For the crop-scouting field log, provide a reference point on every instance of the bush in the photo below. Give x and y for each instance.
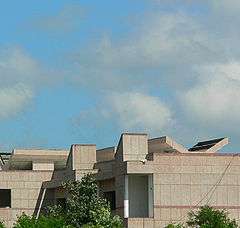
(174, 226)
(85, 207)
(26, 221)
(207, 217)
(2, 224)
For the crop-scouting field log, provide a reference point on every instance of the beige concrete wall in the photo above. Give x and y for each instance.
(183, 183)
(82, 157)
(25, 189)
(42, 166)
(132, 147)
(106, 154)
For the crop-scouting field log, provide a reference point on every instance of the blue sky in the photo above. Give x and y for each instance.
(85, 71)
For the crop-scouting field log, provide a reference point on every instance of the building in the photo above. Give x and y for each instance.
(149, 182)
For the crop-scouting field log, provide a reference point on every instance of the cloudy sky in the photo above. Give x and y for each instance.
(85, 71)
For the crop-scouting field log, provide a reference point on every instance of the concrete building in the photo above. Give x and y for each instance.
(149, 182)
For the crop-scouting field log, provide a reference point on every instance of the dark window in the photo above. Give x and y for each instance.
(61, 202)
(111, 198)
(5, 197)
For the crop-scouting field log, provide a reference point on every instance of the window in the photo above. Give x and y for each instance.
(111, 198)
(5, 197)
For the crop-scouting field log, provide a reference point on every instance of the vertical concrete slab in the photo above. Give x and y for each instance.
(82, 157)
(132, 147)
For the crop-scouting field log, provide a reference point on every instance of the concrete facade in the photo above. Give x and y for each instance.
(149, 182)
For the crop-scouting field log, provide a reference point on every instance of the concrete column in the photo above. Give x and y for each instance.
(126, 200)
(150, 196)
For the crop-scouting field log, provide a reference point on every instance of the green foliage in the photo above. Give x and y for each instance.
(26, 221)
(207, 217)
(174, 226)
(84, 206)
(2, 224)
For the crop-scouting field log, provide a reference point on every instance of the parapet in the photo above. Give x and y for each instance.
(82, 156)
(106, 154)
(37, 159)
(165, 144)
(132, 147)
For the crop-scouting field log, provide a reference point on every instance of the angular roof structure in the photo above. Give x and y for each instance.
(165, 144)
(209, 146)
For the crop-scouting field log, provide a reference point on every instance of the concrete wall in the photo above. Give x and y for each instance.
(25, 192)
(183, 182)
(106, 154)
(42, 166)
(82, 157)
(132, 147)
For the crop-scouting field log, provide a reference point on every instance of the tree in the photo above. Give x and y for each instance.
(207, 217)
(2, 224)
(84, 206)
(174, 226)
(26, 221)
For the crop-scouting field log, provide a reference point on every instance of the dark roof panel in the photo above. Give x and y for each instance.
(205, 145)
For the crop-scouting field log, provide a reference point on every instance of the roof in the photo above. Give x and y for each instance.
(23, 158)
(165, 144)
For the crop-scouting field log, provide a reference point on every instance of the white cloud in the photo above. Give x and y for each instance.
(20, 76)
(16, 66)
(160, 39)
(214, 98)
(179, 49)
(14, 99)
(162, 49)
(226, 5)
(140, 111)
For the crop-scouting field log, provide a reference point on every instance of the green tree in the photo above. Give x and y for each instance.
(2, 224)
(207, 217)
(84, 206)
(174, 226)
(26, 221)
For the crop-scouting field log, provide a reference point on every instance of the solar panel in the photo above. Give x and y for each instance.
(204, 145)
(4, 156)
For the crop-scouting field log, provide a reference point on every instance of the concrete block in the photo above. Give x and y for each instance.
(222, 196)
(42, 166)
(233, 195)
(32, 204)
(16, 203)
(165, 195)
(24, 203)
(82, 157)
(196, 194)
(165, 214)
(132, 147)
(175, 214)
(185, 178)
(148, 223)
(157, 194)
